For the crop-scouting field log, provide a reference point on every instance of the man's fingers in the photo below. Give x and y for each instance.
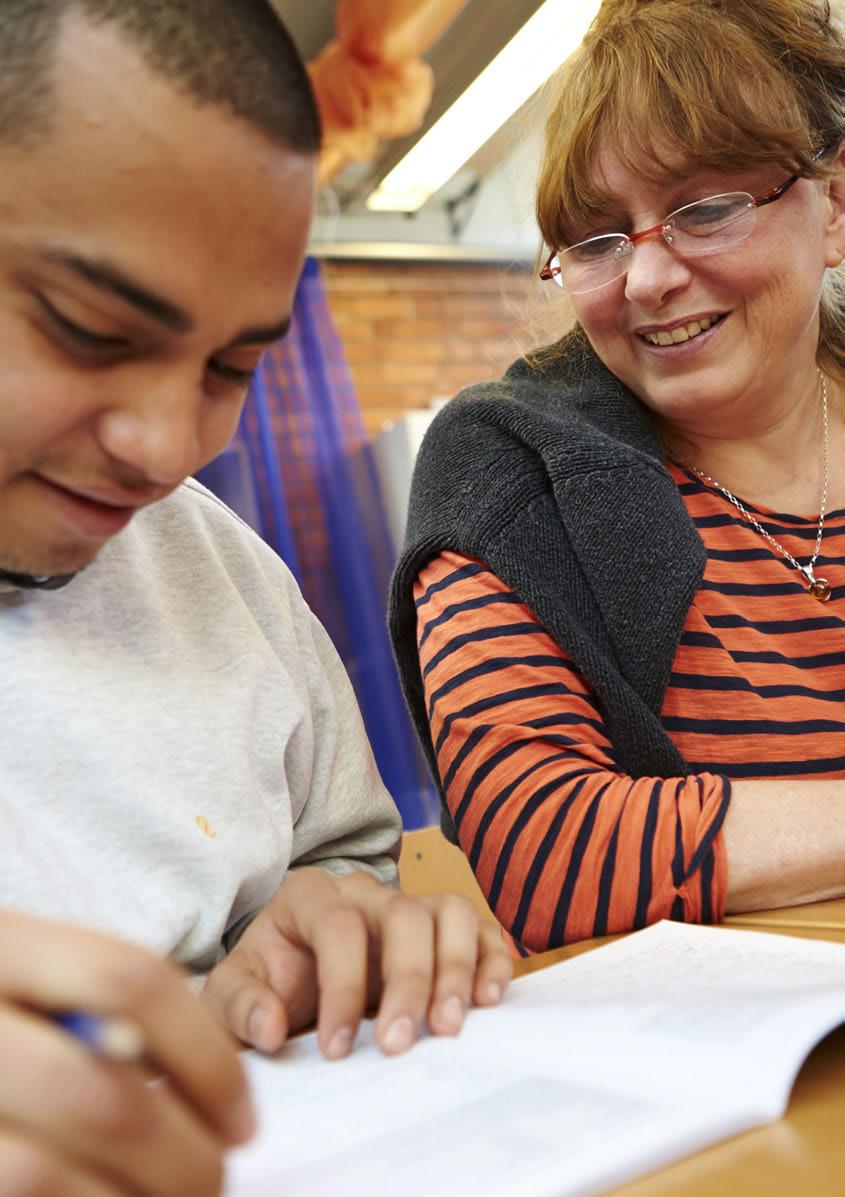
(336, 919)
(456, 957)
(67, 968)
(495, 966)
(193, 1049)
(305, 955)
(246, 1003)
(312, 912)
(407, 970)
(324, 945)
(436, 958)
(29, 1169)
(341, 945)
(100, 1114)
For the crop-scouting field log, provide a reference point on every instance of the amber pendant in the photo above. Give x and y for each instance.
(820, 589)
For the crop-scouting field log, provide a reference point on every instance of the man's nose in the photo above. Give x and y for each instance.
(157, 438)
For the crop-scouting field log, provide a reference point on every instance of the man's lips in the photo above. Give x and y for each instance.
(91, 518)
(104, 496)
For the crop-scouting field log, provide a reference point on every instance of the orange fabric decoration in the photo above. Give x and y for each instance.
(371, 82)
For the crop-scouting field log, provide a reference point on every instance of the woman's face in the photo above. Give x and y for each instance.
(762, 294)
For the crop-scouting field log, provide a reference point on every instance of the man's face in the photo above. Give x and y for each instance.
(149, 251)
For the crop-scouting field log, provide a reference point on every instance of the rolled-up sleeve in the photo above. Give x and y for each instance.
(564, 844)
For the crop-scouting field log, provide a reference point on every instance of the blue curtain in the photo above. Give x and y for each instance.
(301, 472)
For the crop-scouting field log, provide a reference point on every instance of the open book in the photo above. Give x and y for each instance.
(590, 1073)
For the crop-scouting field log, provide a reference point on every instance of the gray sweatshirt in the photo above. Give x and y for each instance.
(177, 732)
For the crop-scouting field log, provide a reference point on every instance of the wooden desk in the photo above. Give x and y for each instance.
(803, 1155)
(827, 916)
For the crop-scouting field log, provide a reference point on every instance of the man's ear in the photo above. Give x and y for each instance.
(835, 232)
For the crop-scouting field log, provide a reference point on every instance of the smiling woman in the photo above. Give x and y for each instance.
(626, 560)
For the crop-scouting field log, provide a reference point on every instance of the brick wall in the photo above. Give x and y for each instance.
(415, 331)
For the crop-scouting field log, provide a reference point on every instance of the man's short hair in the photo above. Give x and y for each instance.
(235, 54)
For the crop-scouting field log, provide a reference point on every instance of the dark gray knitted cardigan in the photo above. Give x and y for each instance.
(554, 478)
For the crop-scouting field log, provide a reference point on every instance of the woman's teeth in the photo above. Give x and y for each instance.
(684, 333)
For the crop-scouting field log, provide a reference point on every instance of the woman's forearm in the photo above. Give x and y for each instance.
(785, 843)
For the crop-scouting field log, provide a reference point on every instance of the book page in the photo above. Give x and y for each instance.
(686, 1008)
(444, 1118)
(590, 1073)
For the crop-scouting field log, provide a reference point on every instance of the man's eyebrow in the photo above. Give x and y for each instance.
(111, 279)
(263, 336)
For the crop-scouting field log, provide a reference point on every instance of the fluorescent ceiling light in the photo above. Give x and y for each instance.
(545, 41)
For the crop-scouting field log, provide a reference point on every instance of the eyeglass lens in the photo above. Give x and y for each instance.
(705, 227)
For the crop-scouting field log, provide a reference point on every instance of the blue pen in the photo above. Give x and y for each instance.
(118, 1039)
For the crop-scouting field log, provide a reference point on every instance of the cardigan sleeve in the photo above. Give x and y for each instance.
(563, 843)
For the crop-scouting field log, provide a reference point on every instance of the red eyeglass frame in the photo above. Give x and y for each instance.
(768, 197)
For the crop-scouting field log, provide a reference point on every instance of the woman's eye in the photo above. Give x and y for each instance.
(82, 337)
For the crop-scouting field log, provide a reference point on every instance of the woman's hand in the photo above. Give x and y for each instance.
(330, 947)
(74, 1124)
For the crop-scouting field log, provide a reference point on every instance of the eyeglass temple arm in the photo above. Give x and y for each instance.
(769, 197)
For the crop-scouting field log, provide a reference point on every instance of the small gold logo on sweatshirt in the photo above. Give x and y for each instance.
(205, 827)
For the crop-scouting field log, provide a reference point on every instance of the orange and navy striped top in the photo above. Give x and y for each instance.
(565, 845)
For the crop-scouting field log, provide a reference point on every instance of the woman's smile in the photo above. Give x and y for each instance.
(681, 341)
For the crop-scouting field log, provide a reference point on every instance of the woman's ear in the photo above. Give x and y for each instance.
(835, 231)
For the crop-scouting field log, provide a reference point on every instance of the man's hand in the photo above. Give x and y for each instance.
(81, 1126)
(330, 947)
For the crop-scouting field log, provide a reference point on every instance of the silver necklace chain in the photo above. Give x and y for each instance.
(818, 587)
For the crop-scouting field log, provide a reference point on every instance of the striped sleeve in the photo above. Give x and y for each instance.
(563, 843)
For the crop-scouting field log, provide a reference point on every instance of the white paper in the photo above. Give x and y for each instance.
(590, 1073)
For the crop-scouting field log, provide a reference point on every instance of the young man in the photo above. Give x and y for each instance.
(177, 732)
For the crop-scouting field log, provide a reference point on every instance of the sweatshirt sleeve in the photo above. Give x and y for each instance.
(563, 843)
(344, 818)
